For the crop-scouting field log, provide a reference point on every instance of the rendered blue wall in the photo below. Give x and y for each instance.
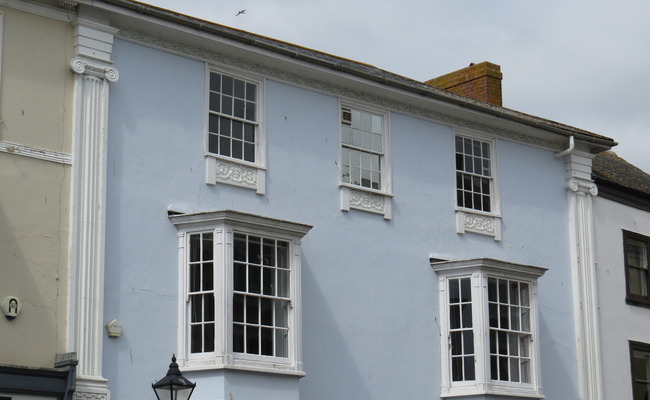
(370, 297)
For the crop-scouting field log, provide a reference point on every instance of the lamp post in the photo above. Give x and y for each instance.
(174, 386)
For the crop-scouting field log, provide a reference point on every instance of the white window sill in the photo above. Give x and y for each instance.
(483, 223)
(364, 199)
(494, 391)
(242, 365)
(234, 172)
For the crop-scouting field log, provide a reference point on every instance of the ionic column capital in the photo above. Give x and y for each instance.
(581, 186)
(83, 65)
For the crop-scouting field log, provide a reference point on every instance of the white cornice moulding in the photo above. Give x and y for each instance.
(41, 10)
(204, 55)
(35, 152)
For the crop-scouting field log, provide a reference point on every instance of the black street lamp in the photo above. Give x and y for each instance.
(174, 386)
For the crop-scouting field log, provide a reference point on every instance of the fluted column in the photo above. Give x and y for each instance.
(581, 189)
(93, 72)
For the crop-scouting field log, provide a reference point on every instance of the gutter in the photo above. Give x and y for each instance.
(572, 146)
(340, 64)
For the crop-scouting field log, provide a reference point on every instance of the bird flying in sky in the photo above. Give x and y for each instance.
(240, 12)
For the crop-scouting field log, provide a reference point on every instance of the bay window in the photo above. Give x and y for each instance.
(240, 292)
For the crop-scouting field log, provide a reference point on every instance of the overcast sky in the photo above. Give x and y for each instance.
(584, 63)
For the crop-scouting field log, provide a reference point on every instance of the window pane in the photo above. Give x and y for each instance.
(454, 291)
(252, 340)
(252, 310)
(208, 279)
(224, 126)
(268, 281)
(456, 343)
(195, 278)
(454, 317)
(196, 334)
(514, 370)
(249, 133)
(466, 289)
(640, 373)
(638, 281)
(208, 307)
(254, 250)
(249, 152)
(503, 317)
(215, 102)
(467, 315)
(239, 277)
(524, 294)
(283, 283)
(237, 149)
(215, 81)
(227, 85)
(226, 105)
(469, 368)
(224, 146)
(196, 308)
(266, 341)
(494, 315)
(468, 342)
(283, 254)
(254, 279)
(213, 144)
(503, 368)
(269, 252)
(240, 88)
(195, 248)
(457, 369)
(238, 338)
(208, 338)
(637, 253)
(267, 312)
(238, 308)
(514, 318)
(281, 314)
(281, 343)
(251, 91)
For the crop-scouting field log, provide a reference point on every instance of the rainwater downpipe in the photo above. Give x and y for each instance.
(572, 146)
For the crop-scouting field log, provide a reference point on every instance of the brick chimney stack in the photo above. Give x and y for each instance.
(480, 82)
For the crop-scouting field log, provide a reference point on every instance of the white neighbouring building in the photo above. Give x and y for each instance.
(622, 226)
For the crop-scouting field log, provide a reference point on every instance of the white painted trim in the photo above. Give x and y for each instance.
(35, 152)
(232, 171)
(88, 216)
(478, 222)
(580, 190)
(224, 224)
(359, 197)
(479, 270)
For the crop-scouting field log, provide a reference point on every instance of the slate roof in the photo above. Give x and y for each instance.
(608, 167)
(359, 69)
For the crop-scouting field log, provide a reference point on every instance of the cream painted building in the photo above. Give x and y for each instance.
(36, 145)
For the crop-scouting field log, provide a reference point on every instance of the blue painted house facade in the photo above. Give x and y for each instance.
(293, 225)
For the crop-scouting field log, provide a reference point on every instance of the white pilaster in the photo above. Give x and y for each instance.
(88, 210)
(581, 190)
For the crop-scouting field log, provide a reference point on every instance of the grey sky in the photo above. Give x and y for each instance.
(584, 63)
